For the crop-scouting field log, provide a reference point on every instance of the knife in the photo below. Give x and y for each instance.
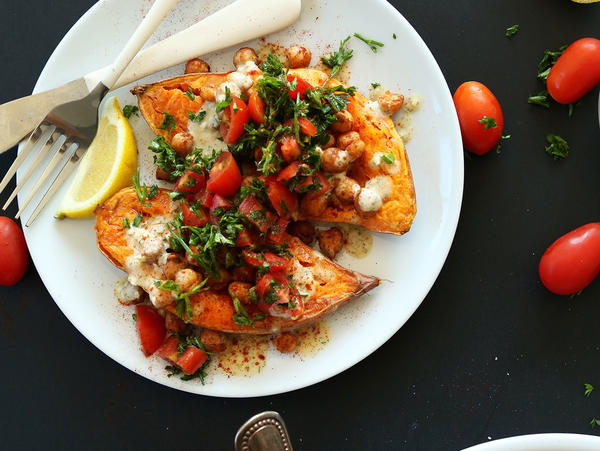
(252, 19)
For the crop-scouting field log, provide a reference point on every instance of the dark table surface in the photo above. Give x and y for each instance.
(489, 354)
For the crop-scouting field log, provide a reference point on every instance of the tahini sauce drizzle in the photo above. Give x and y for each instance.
(358, 241)
(246, 355)
(313, 339)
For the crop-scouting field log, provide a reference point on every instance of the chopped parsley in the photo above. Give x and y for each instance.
(370, 42)
(594, 422)
(129, 110)
(375, 85)
(241, 315)
(589, 388)
(222, 104)
(197, 117)
(144, 192)
(542, 98)
(336, 60)
(547, 61)
(488, 122)
(190, 94)
(134, 316)
(558, 147)
(499, 146)
(511, 31)
(166, 158)
(126, 223)
(183, 303)
(168, 122)
(394, 35)
(389, 158)
(137, 220)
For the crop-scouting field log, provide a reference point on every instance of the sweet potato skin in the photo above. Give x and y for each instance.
(376, 130)
(212, 309)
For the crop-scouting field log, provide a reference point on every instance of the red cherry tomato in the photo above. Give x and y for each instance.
(234, 119)
(169, 349)
(254, 212)
(277, 233)
(253, 258)
(256, 108)
(275, 262)
(290, 150)
(225, 177)
(301, 87)
(289, 171)
(572, 261)
(194, 217)
(473, 101)
(283, 200)
(151, 327)
(244, 238)
(576, 72)
(13, 252)
(191, 360)
(307, 127)
(191, 182)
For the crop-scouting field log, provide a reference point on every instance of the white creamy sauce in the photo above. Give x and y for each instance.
(234, 90)
(126, 293)
(369, 200)
(375, 108)
(412, 103)
(375, 93)
(381, 184)
(206, 132)
(302, 278)
(376, 162)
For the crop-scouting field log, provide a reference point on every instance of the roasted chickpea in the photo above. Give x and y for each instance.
(182, 143)
(174, 264)
(240, 290)
(345, 139)
(330, 142)
(346, 189)
(212, 340)
(244, 55)
(331, 242)
(356, 149)
(298, 56)
(335, 160)
(285, 342)
(128, 294)
(196, 65)
(187, 279)
(161, 174)
(221, 282)
(174, 323)
(390, 102)
(367, 202)
(244, 273)
(208, 93)
(303, 230)
(313, 205)
(344, 122)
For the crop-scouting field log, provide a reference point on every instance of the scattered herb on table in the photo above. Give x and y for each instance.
(595, 422)
(499, 146)
(542, 98)
(589, 388)
(511, 31)
(557, 147)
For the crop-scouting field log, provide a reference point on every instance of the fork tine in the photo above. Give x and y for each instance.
(35, 137)
(55, 159)
(46, 146)
(58, 181)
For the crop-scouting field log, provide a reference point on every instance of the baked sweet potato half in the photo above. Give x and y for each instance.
(330, 285)
(375, 129)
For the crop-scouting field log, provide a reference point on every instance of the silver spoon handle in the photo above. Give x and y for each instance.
(263, 432)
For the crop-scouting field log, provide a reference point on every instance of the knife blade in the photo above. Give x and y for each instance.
(19, 117)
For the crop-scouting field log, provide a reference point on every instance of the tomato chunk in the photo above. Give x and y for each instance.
(276, 262)
(283, 200)
(191, 181)
(244, 238)
(234, 118)
(205, 198)
(276, 284)
(256, 108)
(289, 171)
(225, 177)
(307, 127)
(253, 258)
(254, 212)
(289, 148)
(196, 217)
(169, 349)
(191, 360)
(151, 328)
(277, 233)
(301, 87)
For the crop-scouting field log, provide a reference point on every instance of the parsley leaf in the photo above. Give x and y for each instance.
(272, 66)
(337, 59)
(389, 158)
(589, 388)
(558, 147)
(511, 31)
(137, 220)
(241, 315)
(375, 85)
(126, 223)
(144, 193)
(168, 122)
(222, 104)
(547, 61)
(488, 122)
(129, 110)
(370, 42)
(594, 422)
(134, 316)
(499, 146)
(197, 117)
(394, 35)
(190, 94)
(166, 158)
(542, 98)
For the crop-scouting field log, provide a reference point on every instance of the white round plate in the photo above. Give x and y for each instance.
(81, 280)
(542, 442)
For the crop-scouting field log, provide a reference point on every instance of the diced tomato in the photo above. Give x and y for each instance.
(225, 177)
(234, 118)
(251, 208)
(190, 182)
(283, 200)
(198, 218)
(263, 306)
(244, 238)
(276, 262)
(191, 360)
(301, 87)
(169, 349)
(206, 199)
(289, 148)
(256, 108)
(321, 179)
(151, 327)
(289, 171)
(264, 286)
(277, 233)
(218, 202)
(253, 258)
(307, 127)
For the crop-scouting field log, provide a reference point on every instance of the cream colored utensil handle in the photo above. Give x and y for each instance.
(155, 16)
(238, 22)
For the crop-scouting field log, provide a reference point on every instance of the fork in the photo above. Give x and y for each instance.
(71, 127)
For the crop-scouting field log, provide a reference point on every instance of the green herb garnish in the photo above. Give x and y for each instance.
(197, 117)
(375, 85)
(144, 192)
(168, 122)
(370, 42)
(337, 59)
(511, 31)
(488, 122)
(542, 99)
(589, 388)
(389, 158)
(126, 223)
(222, 104)
(137, 220)
(129, 110)
(558, 147)
(190, 94)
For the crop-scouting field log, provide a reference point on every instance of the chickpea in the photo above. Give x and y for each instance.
(244, 55)
(344, 122)
(346, 190)
(196, 65)
(174, 264)
(367, 202)
(128, 294)
(345, 139)
(330, 142)
(161, 174)
(335, 160)
(244, 273)
(313, 205)
(298, 56)
(331, 242)
(212, 340)
(390, 102)
(303, 230)
(285, 342)
(240, 290)
(174, 323)
(182, 143)
(187, 279)
(208, 93)
(160, 297)
(356, 149)
(221, 282)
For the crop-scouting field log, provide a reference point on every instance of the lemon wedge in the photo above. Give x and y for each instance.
(107, 166)
(585, 1)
